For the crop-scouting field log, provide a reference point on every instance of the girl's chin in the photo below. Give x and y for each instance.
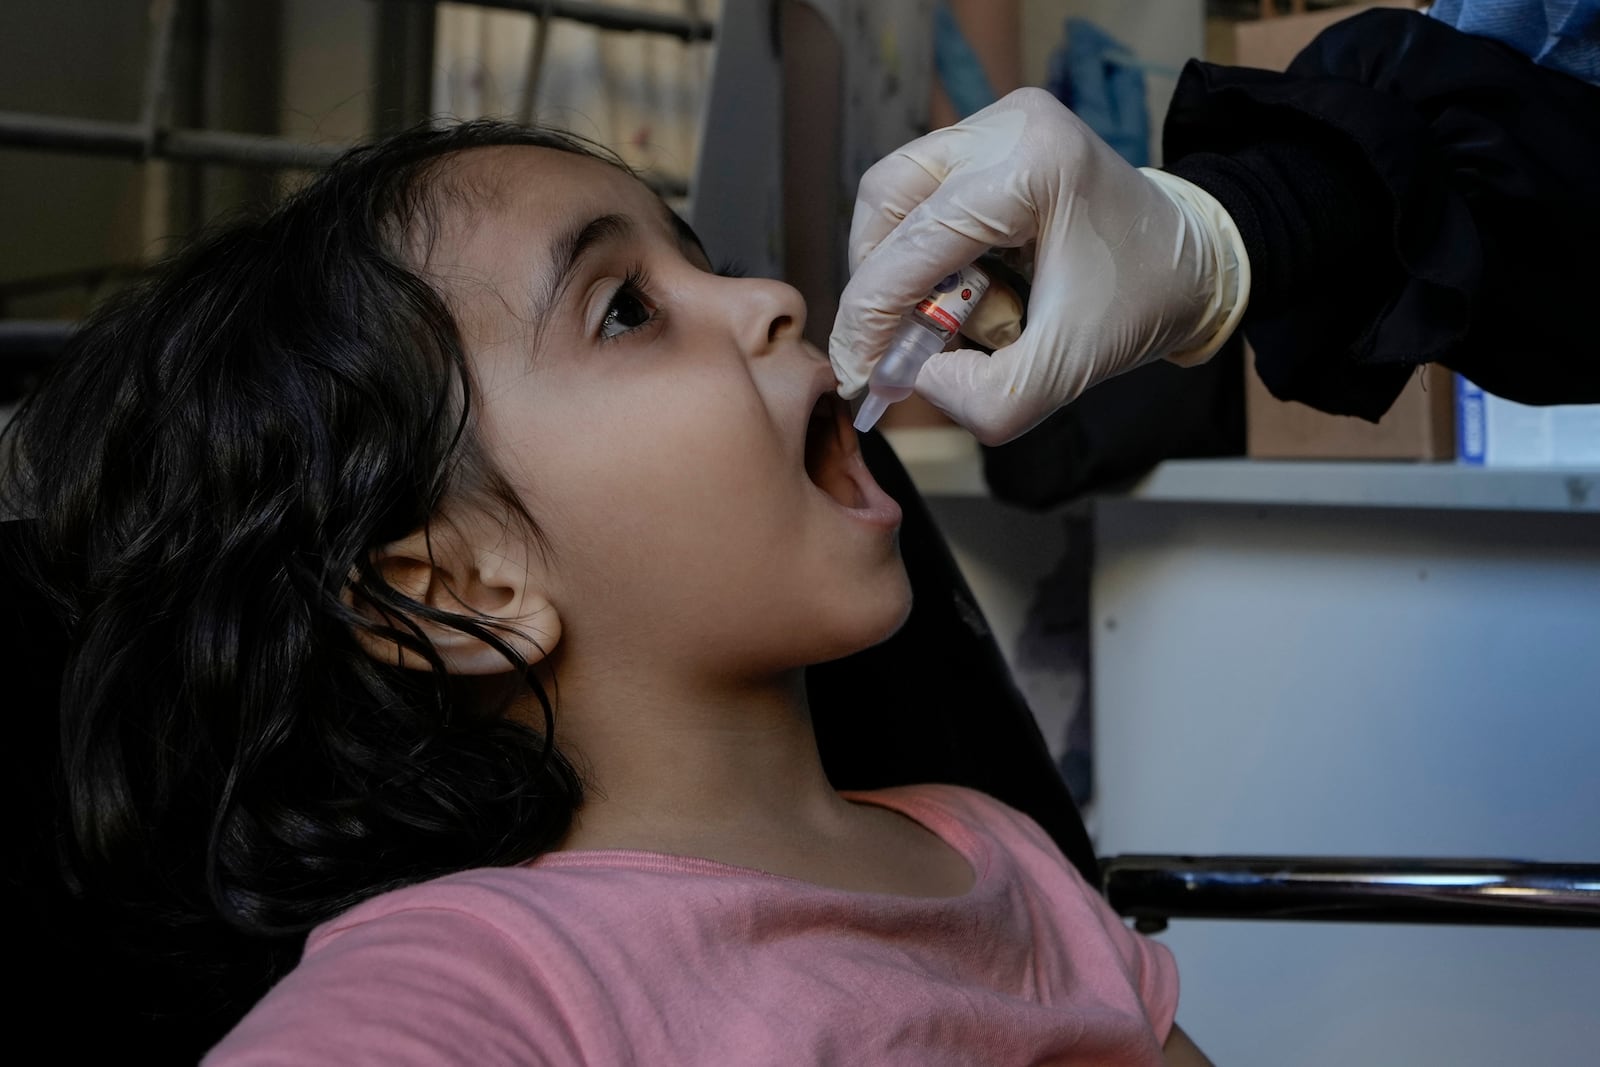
(874, 622)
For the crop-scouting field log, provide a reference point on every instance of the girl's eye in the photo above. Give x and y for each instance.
(627, 311)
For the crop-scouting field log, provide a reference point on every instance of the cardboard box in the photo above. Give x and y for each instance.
(1270, 43)
(1421, 423)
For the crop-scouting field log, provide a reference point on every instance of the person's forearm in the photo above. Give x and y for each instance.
(1311, 218)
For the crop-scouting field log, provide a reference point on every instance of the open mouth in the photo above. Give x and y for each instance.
(832, 452)
(835, 465)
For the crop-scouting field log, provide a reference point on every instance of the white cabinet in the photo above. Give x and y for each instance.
(1361, 676)
(1353, 659)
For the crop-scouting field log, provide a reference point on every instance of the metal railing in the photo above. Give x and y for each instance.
(149, 138)
(1153, 889)
(607, 17)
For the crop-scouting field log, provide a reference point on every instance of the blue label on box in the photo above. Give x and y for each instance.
(1471, 428)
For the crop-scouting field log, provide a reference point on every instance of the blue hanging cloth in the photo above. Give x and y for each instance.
(1563, 35)
(960, 71)
(1103, 82)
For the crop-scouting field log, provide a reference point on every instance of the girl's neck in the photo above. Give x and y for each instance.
(692, 769)
(731, 773)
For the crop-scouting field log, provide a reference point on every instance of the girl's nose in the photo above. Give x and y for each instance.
(768, 313)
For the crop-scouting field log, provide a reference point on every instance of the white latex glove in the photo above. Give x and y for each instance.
(1129, 265)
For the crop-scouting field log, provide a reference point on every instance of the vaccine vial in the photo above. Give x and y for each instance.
(926, 329)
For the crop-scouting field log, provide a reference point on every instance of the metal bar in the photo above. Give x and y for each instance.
(73, 134)
(30, 338)
(246, 150)
(163, 17)
(609, 17)
(536, 53)
(403, 64)
(98, 137)
(76, 278)
(1153, 889)
(95, 137)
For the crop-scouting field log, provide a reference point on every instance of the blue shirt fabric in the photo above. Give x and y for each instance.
(1563, 35)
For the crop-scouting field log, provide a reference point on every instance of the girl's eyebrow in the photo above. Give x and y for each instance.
(567, 253)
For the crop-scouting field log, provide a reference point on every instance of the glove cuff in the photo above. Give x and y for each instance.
(1229, 267)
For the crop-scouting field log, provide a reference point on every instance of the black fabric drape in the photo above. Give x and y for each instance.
(1483, 170)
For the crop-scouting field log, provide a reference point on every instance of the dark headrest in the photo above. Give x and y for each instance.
(73, 951)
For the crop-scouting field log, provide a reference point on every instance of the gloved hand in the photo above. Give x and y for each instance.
(1129, 265)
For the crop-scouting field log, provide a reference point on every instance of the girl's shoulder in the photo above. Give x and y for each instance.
(1002, 841)
(485, 898)
(456, 969)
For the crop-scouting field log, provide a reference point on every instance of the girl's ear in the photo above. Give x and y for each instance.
(446, 568)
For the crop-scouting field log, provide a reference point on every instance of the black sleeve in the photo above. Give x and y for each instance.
(1407, 193)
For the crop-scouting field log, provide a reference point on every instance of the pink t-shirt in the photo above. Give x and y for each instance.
(622, 957)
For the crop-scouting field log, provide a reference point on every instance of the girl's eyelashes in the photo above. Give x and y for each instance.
(730, 268)
(630, 307)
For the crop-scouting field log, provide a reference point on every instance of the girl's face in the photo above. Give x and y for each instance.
(703, 504)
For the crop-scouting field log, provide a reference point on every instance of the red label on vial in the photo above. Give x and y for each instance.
(939, 315)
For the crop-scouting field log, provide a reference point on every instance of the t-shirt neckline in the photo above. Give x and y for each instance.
(908, 801)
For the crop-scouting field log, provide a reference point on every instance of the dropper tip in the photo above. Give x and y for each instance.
(872, 409)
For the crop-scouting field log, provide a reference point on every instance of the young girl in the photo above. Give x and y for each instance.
(443, 553)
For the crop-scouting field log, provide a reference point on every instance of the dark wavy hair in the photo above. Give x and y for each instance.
(208, 469)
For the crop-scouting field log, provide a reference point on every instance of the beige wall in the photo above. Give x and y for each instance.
(61, 212)
(1164, 32)
(328, 78)
(300, 67)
